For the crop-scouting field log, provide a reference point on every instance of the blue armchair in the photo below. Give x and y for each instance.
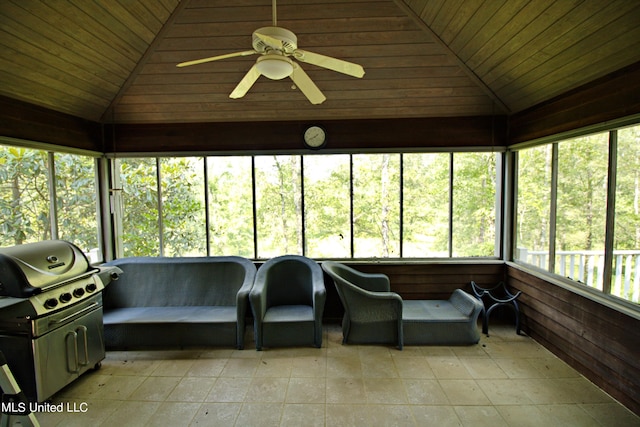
(287, 300)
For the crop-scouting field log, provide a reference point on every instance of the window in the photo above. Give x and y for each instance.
(37, 204)
(327, 209)
(625, 280)
(230, 206)
(278, 205)
(24, 200)
(581, 208)
(426, 182)
(533, 205)
(76, 202)
(562, 221)
(474, 204)
(376, 205)
(183, 206)
(140, 220)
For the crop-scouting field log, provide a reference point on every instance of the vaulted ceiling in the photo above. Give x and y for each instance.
(115, 60)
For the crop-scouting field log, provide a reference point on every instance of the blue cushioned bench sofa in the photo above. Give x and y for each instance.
(178, 302)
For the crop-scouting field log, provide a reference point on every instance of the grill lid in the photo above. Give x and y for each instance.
(28, 269)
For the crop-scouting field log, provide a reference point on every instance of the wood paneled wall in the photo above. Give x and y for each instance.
(343, 135)
(611, 97)
(601, 343)
(21, 120)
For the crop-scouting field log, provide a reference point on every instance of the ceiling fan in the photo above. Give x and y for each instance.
(278, 47)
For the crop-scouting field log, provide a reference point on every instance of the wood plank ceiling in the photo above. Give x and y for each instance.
(114, 60)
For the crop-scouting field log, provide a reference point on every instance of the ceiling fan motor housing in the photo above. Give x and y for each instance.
(288, 39)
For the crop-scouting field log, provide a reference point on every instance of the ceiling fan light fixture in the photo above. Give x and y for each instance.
(274, 66)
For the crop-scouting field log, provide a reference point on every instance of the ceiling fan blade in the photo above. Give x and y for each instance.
(306, 85)
(270, 41)
(216, 58)
(330, 63)
(245, 84)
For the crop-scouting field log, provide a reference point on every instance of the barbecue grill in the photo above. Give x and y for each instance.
(51, 329)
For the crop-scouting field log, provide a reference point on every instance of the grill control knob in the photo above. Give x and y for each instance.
(91, 287)
(78, 292)
(51, 303)
(66, 297)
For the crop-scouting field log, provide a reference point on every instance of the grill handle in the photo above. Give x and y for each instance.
(76, 314)
(74, 369)
(85, 344)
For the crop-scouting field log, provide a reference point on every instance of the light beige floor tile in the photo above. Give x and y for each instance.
(155, 388)
(346, 390)
(192, 389)
(125, 366)
(309, 366)
(482, 368)
(413, 367)
(207, 367)
(240, 368)
(260, 414)
(385, 390)
(552, 367)
(480, 416)
(306, 390)
(274, 367)
(612, 415)
(132, 414)
(448, 368)
(569, 416)
(228, 390)
(117, 387)
(348, 415)
(216, 415)
(441, 416)
(425, 392)
(505, 392)
(390, 415)
(172, 368)
(344, 367)
(92, 413)
(526, 416)
(464, 392)
(303, 414)
(518, 368)
(267, 390)
(174, 414)
(378, 367)
(342, 385)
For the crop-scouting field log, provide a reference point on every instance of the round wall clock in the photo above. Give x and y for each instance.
(315, 137)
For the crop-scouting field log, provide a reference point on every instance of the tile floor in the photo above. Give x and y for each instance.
(505, 380)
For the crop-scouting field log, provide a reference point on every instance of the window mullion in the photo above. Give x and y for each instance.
(553, 208)
(611, 206)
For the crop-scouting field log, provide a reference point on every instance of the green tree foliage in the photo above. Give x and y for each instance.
(24, 196)
(230, 206)
(474, 204)
(426, 205)
(76, 200)
(327, 206)
(278, 205)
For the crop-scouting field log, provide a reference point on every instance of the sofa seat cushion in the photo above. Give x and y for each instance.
(289, 313)
(188, 314)
(431, 311)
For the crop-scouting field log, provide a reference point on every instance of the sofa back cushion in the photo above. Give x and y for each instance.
(164, 281)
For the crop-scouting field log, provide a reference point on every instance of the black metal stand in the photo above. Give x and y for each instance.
(496, 296)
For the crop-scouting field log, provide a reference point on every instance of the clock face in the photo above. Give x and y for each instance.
(315, 137)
